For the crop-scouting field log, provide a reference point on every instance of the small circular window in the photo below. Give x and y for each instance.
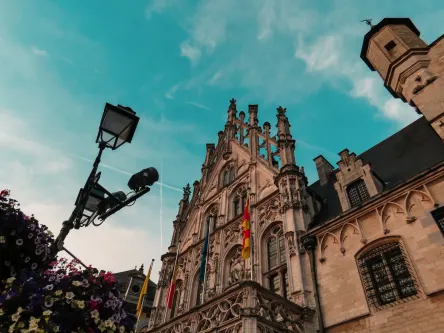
(135, 288)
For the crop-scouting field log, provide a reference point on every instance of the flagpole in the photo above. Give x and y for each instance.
(172, 275)
(127, 289)
(206, 261)
(251, 235)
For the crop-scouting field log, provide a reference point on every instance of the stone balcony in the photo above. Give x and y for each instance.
(246, 307)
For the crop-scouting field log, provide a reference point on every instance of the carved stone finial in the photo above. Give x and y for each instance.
(281, 110)
(232, 103)
(186, 192)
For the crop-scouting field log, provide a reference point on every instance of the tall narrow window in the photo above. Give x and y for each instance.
(275, 271)
(199, 292)
(272, 252)
(236, 208)
(438, 216)
(175, 300)
(285, 285)
(213, 221)
(357, 193)
(228, 176)
(275, 283)
(244, 200)
(386, 275)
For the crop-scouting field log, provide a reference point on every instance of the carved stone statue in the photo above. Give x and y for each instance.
(237, 266)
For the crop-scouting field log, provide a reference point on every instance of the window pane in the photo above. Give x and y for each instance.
(236, 207)
(225, 178)
(285, 289)
(199, 292)
(175, 300)
(281, 249)
(272, 252)
(357, 193)
(385, 275)
(438, 216)
(274, 284)
(401, 274)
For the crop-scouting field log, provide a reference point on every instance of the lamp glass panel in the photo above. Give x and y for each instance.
(116, 122)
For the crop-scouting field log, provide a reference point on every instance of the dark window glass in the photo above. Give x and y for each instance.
(285, 286)
(135, 288)
(386, 275)
(390, 45)
(226, 178)
(199, 292)
(438, 216)
(274, 284)
(175, 300)
(272, 252)
(213, 223)
(244, 201)
(281, 248)
(357, 193)
(236, 209)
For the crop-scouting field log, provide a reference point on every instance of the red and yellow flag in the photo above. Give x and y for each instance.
(246, 226)
(171, 289)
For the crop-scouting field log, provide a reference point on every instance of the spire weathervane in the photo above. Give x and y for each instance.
(368, 22)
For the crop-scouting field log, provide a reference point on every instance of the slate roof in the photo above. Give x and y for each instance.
(408, 152)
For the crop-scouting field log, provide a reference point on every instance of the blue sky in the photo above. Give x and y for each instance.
(177, 63)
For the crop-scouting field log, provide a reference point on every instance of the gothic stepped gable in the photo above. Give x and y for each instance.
(231, 158)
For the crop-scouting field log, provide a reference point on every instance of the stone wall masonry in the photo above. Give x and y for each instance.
(424, 315)
(405, 217)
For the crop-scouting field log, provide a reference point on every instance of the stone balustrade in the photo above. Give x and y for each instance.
(244, 307)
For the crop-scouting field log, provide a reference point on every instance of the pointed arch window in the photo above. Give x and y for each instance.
(276, 264)
(357, 193)
(386, 275)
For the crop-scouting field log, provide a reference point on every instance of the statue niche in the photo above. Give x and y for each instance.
(234, 267)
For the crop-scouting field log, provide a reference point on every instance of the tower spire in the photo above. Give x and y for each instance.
(285, 140)
(232, 110)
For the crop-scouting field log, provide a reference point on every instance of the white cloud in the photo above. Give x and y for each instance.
(170, 93)
(215, 78)
(156, 6)
(328, 56)
(322, 55)
(200, 106)
(191, 52)
(39, 52)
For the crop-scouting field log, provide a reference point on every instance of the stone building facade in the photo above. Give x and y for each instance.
(359, 250)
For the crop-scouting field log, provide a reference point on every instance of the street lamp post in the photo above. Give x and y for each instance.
(117, 127)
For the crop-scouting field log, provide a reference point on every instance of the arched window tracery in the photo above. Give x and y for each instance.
(275, 270)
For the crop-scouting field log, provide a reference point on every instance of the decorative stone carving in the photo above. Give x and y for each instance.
(268, 212)
(291, 244)
(233, 234)
(237, 269)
